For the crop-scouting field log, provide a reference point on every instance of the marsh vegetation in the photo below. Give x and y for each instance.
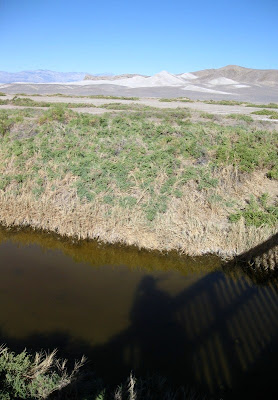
(150, 177)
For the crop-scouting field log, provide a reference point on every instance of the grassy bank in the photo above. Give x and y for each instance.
(150, 177)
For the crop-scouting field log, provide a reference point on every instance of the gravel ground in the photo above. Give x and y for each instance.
(216, 109)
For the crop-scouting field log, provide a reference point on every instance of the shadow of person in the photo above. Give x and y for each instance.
(154, 341)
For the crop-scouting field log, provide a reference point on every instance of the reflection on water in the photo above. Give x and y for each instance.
(129, 310)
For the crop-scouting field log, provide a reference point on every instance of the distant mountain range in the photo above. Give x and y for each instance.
(43, 76)
(223, 76)
(231, 74)
(108, 77)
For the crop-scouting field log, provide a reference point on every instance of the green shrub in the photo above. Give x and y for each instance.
(165, 100)
(270, 105)
(56, 113)
(22, 101)
(23, 376)
(5, 123)
(270, 113)
(224, 102)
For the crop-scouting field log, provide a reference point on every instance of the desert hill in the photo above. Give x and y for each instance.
(230, 82)
(240, 74)
(225, 76)
(110, 77)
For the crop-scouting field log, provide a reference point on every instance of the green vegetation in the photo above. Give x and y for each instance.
(6, 123)
(43, 376)
(273, 172)
(4, 102)
(2, 94)
(224, 102)
(270, 105)
(271, 114)
(110, 154)
(121, 106)
(141, 167)
(101, 96)
(26, 102)
(207, 115)
(96, 96)
(258, 212)
(23, 376)
(180, 99)
(240, 117)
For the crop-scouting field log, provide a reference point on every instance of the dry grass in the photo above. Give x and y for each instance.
(190, 215)
(151, 389)
(191, 225)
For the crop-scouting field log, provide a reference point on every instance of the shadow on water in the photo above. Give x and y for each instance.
(226, 348)
(219, 334)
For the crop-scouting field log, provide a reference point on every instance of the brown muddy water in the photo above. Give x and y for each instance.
(186, 319)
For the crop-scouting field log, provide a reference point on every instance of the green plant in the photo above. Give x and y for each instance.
(270, 105)
(240, 117)
(270, 113)
(180, 99)
(207, 115)
(55, 113)
(273, 173)
(165, 100)
(23, 376)
(224, 102)
(257, 212)
(5, 123)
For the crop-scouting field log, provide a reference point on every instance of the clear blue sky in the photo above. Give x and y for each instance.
(137, 36)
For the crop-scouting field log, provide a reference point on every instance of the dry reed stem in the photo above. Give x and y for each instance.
(191, 224)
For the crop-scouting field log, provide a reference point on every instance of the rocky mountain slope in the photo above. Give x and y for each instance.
(240, 74)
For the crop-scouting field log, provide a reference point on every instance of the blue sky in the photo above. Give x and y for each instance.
(137, 36)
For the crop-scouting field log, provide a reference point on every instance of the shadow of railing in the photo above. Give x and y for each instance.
(261, 258)
(214, 336)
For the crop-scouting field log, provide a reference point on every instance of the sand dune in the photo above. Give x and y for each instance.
(222, 81)
(194, 88)
(188, 76)
(163, 78)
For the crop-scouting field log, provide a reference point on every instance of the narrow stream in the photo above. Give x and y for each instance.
(125, 309)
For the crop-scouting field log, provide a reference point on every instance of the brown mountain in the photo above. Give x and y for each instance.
(241, 74)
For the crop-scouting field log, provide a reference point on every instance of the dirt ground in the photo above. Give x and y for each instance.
(216, 109)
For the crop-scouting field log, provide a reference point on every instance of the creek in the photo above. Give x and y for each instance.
(186, 319)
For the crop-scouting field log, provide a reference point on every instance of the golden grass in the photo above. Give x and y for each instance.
(191, 225)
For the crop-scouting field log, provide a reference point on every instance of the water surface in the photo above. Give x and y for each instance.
(186, 319)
